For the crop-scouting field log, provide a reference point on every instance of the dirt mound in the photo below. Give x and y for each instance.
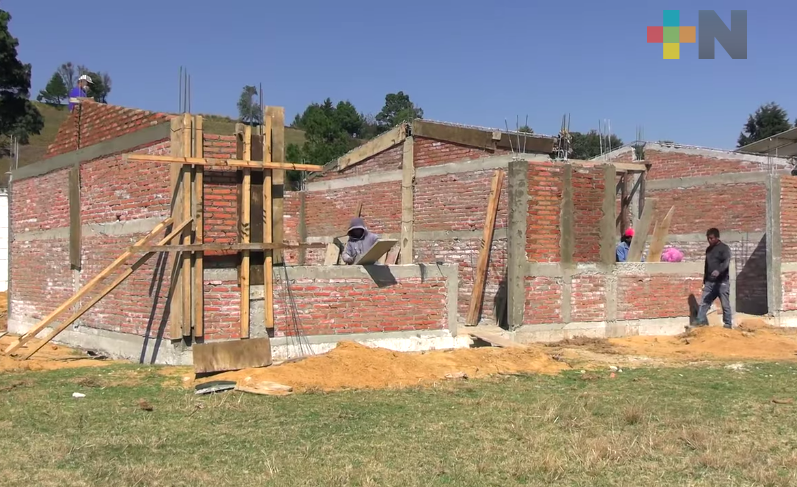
(753, 339)
(354, 366)
(50, 357)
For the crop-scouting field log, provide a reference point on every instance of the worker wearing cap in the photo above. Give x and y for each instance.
(621, 252)
(360, 241)
(80, 91)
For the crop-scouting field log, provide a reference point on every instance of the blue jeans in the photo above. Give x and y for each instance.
(712, 291)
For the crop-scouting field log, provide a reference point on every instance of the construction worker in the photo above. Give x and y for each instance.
(716, 279)
(621, 252)
(80, 91)
(360, 241)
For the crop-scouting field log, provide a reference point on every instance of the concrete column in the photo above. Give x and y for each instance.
(567, 242)
(407, 254)
(774, 247)
(518, 191)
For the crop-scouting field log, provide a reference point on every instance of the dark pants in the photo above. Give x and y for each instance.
(712, 291)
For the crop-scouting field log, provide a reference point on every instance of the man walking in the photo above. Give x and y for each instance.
(716, 279)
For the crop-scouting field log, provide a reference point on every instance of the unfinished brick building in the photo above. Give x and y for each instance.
(551, 271)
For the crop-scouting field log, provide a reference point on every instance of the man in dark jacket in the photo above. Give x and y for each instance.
(716, 279)
(360, 241)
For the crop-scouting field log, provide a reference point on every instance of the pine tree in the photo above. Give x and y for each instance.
(768, 120)
(55, 91)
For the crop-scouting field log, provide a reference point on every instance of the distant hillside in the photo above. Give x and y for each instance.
(54, 116)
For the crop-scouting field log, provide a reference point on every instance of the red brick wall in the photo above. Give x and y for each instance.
(543, 301)
(545, 200)
(389, 160)
(430, 152)
(729, 207)
(40, 276)
(588, 298)
(222, 310)
(789, 284)
(98, 122)
(358, 305)
(221, 193)
(588, 188)
(671, 164)
(328, 213)
(788, 218)
(456, 201)
(648, 296)
(40, 203)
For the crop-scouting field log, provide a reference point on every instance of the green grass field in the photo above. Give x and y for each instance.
(53, 117)
(692, 426)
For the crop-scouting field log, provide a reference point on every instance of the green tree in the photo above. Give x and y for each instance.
(398, 108)
(526, 129)
(293, 153)
(18, 115)
(55, 91)
(586, 146)
(330, 130)
(67, 73)
(100, 86)
(248, 106)
(768, 120)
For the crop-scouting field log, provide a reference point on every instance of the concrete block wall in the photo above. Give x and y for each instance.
(712, 188)
(562, 276)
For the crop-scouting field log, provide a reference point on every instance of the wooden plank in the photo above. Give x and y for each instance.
(74, 217)
(216, 247)
(372, 255)
(493, 338)
(232, 355)
(223, 162)
(473, 137)
(332, 255)
(245, 231)
(268, 228)
(359, 210)
(407, 201)
(256, 260)
(373, 147)
(198, 293)
(477, 296)
(188, 189)
(641, 232)
(89, 285)
(277, 116)
(393, 255)
(119, 280)
(660, 237)
(175, 178)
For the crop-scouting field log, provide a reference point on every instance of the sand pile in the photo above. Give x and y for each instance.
(50, 357)
(753, 339)
(354, 366)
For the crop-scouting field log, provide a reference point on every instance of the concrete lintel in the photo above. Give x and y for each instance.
(725, 236)
(114, 229)
(700, 181)
(358, 337)
(124, 143)
(544, 269)
(658, 268)
(418, 271)
(600, 329)
(500, 233)
(472, 165)
(701, 151)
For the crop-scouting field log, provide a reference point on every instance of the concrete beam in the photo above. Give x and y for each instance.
(124, 143)
(700, 181)
(518, 209)
(114, 229)
(500, 233)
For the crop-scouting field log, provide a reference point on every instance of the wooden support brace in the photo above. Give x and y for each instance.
(245, 231)
(477, 295)
(660, 232)
(198, 293)
(268, 228)
(277, 122)
(185, 257)
(641, 232)
(119, 280)
(85, 289)
(223, 162)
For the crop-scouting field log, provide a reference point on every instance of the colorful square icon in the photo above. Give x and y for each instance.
(671, 34)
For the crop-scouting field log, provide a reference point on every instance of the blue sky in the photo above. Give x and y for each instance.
(467, 62)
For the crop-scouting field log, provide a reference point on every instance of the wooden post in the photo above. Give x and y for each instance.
(407, 202)
(175, 177)
(641, 231)
(277, 122)
(268, 230)
(198, 298)
(186, 214)
(245, 231)
(477, 295)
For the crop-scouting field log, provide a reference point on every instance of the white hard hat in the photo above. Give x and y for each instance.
(85, 78)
